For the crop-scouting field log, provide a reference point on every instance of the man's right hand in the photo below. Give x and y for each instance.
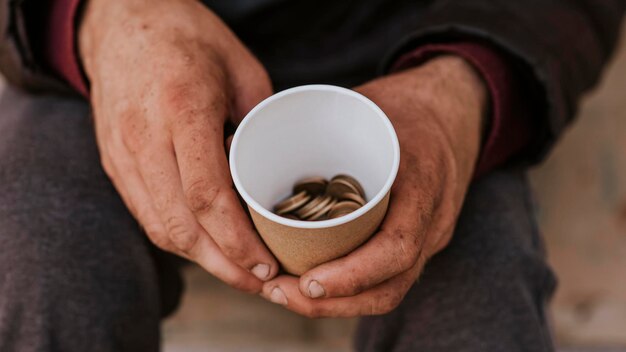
(165, 76)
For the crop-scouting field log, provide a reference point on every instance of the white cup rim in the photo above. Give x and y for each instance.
(324, 223)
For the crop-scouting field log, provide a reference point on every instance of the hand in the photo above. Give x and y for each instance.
(165, 76)
(437, 111)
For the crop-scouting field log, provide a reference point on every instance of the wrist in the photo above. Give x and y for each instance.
(114, 25)
(459, 88)
(91, 26)
(459, 98)
(469, 84)
(126, 29)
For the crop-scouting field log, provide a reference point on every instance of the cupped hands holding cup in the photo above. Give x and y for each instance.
(159, 113)
(436, 111)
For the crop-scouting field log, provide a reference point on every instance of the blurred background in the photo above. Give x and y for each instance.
(581, 194)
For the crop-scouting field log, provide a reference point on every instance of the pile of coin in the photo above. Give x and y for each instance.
(316, 198)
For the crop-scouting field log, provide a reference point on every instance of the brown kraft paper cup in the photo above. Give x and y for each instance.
(316, 130)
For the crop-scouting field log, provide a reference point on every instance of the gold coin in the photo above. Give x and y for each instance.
(324, 200)
(353, 182)
(292, 203)
(343, 208)
(321, 214)
(353, 197)
(312, 185)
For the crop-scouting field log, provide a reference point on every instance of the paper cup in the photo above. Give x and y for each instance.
(314, 130)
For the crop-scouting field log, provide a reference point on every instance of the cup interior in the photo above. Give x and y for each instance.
(316, 130)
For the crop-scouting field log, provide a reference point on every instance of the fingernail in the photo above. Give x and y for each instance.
(262, 271)
(316, 290)
(277, 296)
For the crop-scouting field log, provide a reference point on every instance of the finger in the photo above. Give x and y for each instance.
(228, 143)
(157, 166)
(209, 193)
(395, 248)
(121, 170)
(134, 193)
(378, 300)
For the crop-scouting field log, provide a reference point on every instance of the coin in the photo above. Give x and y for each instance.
(353, 182)
(290, 216)
(292, 203)
(343, 208)
(338, 187)
(315, 198)
(312, 185)
(324, 200)
(321, 214)
(312, 203)
(338, 214)
(353, 197)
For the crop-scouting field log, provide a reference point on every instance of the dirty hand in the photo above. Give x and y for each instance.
(437, 110)
(165, 76)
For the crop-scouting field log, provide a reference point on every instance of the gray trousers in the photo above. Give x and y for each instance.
(76, 274)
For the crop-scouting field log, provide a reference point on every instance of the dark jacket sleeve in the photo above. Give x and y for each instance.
(561, 46)
(20, 63)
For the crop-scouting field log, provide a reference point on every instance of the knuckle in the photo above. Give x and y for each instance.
(355, 285)
(393, 302)
(386, 304)
(133, 130)
(154, 233)
(201, 196)
(176, 94)
(157, 236)
(238, 254)
(391, 305)
(186, 100)
(407, 244)
(181, 233)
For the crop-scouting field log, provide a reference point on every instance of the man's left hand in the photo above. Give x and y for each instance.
(437, 110)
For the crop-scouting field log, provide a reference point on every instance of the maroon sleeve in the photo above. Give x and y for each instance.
(510, 128)
(60, 50)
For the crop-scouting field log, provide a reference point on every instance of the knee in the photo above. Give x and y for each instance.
(76, 259)
(52, 266)
(51, 288)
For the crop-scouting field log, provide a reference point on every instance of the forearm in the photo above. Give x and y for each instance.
(460, 99)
